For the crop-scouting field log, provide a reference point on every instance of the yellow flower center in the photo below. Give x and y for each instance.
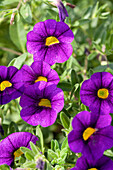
(4, 85)
(103, 93)
(44, 102)
(88, 132)
(41, 78)
(17, 153)
(93, 169)
(51, 40)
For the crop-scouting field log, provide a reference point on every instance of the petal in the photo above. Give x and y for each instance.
(3, 73)
(44, 117)
(6, 160)
(97, 79)
(28, 74)
(40, 29)
(41, 68)
(50, 25)
(34, 37)
(107, 78)
(11, 71)
(61, 28)
(75, 141)
(82, 163)
(105, 163)
(58, 53)
(66, 37)
(105, 107)
(103, 121)
(33, 47)
(19, 139)
(101, 141)
(53, 77)
(40, 55)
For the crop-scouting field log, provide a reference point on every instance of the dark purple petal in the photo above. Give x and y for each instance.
(105, 107)
(40, 29)
(50, 25)
(107, 78)
(34, 37)
(103, 121)
(58, 53)
(3, 73)
(62, 11)
(35, 47)
(11, 71)
(96, 78)
(75, 141)
(61, 28)
(66, 37)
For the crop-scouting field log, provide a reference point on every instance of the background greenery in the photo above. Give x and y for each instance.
(92, 24)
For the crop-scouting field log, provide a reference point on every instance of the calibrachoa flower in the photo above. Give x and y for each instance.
(62, 10)
(97, 93)
(11, 85)
(92, 134)
(40, 104)
(39, 71)
(9, 147)
(50, 42)
(104, 163)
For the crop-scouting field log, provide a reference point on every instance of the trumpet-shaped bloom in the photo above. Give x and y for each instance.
(92, 134)
(39, 71)
(62, 10)
(9, 147)
(97, 93)
(50, 42)
(104, 163)
(40, 104)
(11, 85)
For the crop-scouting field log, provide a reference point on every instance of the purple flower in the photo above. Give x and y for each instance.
(11, 85)
(9, 147)
(40, 164)
(40, 104)
(50, 42)
(97, 93)
(104, 163)
(62, 10)
(92, 134)
(39, 71)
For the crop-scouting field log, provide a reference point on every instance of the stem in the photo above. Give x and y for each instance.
(10, 50)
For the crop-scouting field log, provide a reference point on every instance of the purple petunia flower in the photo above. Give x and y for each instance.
(104, 163)
(62, 10)
(9, 147)
(50, 42)
(39, 71)
(92, 134)
(40, 104)
(97, 93)
(11, 85)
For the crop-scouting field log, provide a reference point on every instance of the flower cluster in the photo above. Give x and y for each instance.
(92, 132)
(41, 100)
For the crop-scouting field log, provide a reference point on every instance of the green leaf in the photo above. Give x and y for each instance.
(17, 34)
(56, 145)
(74, 77)
(51, 154)
(39, 133)
(65, 120)
(29, 165)
(108, 153)
(29, 156)
(34, 148)
(92, 56)
(13, 127)
(4, 167)
(19, 61)
(24, 149)
(26, 13)
(65, 86)
(52, 144)
(64, 144)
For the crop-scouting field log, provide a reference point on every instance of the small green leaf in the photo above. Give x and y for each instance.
(52, 154)
(24, 149)
(65, 86)
(39, 133)
(74, 77)
(56, 145)
(19, 61)
(29, 165)
(34, 148)
(65, 143)
(92, 56)
(52, 144)
(108, 153)
(65, 120)
(29, 156)
(26, 13)
(17, 34)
